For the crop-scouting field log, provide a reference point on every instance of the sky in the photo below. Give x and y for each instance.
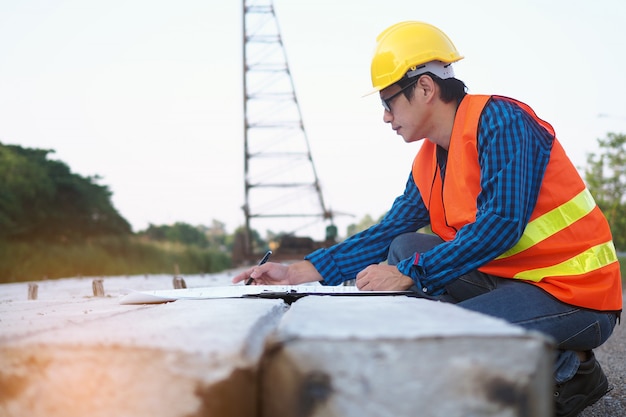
(147, 94)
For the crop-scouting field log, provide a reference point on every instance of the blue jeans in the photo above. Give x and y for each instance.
(526, 305)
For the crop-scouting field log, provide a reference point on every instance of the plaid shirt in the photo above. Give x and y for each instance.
(513, 152)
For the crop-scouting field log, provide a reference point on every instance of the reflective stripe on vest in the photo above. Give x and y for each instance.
(552, 222)
(590, 260)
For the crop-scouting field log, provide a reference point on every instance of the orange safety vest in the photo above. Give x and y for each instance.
(567, 247)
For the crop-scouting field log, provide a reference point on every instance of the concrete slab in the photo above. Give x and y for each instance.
(70, 354)
(399, 356)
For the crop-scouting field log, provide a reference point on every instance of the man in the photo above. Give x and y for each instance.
(516, 233)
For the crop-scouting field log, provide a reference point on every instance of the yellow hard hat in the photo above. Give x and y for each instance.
(407, 46)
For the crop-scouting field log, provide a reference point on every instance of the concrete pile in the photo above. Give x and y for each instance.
(70, 355)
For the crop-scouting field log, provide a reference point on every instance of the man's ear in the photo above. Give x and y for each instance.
(426, 86)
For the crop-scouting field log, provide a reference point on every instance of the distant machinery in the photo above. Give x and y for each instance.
(282, 189)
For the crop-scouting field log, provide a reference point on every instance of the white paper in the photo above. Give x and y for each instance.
(238, 291)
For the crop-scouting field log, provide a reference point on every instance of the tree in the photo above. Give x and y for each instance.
(606, 179)
(179, 232)
(217, 235)
(365, 223)
(24, 189)
(42, 199)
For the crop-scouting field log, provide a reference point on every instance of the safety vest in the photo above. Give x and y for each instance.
(566, 248)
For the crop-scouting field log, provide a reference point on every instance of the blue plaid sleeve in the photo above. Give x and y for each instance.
(343, 261)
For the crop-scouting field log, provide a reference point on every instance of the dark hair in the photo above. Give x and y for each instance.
(450, 89)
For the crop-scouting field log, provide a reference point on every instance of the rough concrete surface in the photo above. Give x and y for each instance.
(369, 357)
(71, 354)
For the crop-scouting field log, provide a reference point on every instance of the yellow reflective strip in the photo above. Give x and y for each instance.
(587, 261)
(553, 221)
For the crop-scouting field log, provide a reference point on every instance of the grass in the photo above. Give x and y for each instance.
(28, 261)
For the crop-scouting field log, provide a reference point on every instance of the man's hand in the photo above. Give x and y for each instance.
(382, 278)
(269, 273)
(272, 273)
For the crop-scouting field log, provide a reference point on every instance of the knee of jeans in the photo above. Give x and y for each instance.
(399, 249)
(405, 245)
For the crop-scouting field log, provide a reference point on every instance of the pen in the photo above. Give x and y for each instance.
(265, 259)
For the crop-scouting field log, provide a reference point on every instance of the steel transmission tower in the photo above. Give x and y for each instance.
(282, 189)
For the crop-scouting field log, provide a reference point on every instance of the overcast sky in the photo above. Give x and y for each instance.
(147, 94)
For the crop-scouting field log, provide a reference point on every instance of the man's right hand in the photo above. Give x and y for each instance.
(272, 273)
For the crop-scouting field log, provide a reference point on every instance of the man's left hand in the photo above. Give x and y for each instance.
(382, 278)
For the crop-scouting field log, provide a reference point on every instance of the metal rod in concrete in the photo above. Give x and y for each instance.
(32, 291)
(98, 288)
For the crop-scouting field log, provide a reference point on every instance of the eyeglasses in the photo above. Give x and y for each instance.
(387, 101)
